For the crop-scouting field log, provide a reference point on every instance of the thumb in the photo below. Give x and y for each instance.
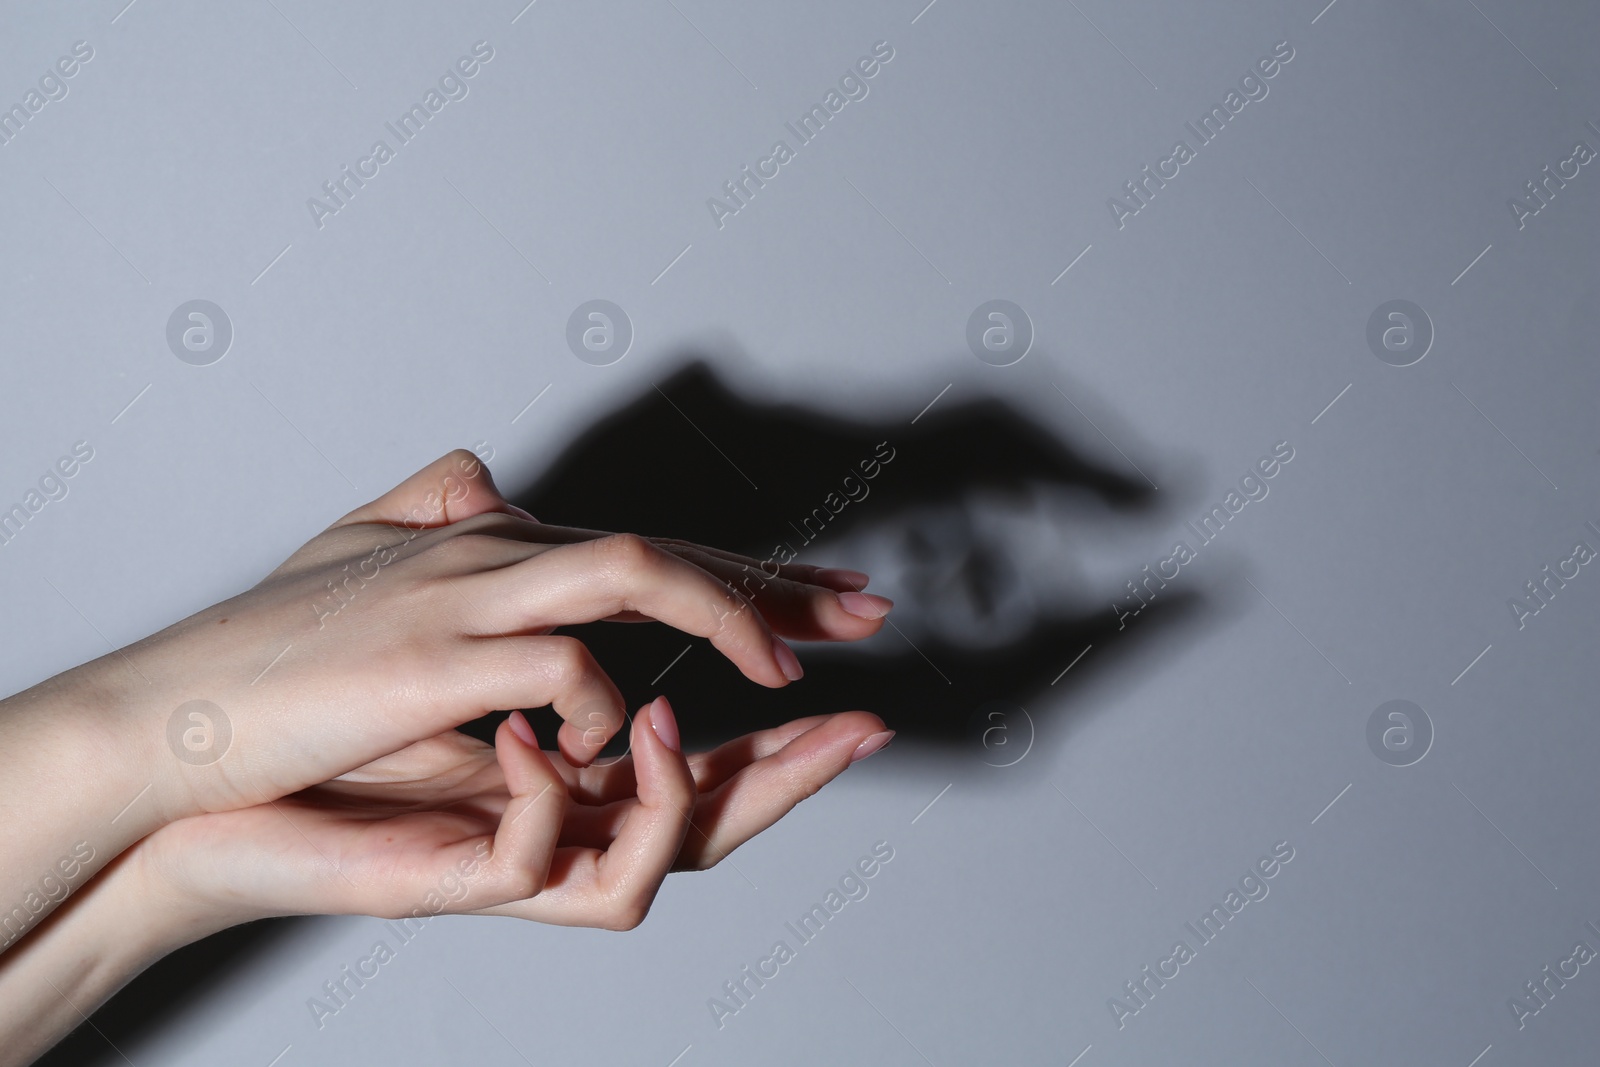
(453, 487)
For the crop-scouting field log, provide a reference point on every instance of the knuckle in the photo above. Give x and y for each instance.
(628, 914)
(569, 656)
(520, 883)
(681, 794)
(628, 550)
(554, 792)
(803, 785)
(530, 882)
(735, 613)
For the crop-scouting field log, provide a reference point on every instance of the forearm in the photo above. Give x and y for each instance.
(77, 787)
(77, 957)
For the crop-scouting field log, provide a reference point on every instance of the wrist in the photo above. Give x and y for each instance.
(173, 910)
(109, 725)
(142, 745)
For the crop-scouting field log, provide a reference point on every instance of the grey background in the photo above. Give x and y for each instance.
(1220, 320)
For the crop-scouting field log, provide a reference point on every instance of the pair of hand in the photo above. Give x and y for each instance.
(340, 679)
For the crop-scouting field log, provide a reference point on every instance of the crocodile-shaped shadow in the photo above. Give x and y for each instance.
(689, 458)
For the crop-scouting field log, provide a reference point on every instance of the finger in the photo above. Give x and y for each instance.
(453, 487)
(835, 578)
(591, 580)
(794, 607)
(613, 781)
(749, 794)
(712, 769)
(531, 672)
(790, 598)
(759, 795)
(530, 825)
(792, 581)
(614, 888)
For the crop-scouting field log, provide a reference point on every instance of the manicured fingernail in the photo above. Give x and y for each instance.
(664, 723)
(865, 605)
(786, 660)
(871, 745)
(839, 578)
(520, 727)
(519, 513)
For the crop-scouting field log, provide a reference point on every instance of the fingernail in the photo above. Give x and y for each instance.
(519, 513)
(839, 578)
(871, 745)
(786, 660)
(865, 605)
(664, 723)
(520, 727)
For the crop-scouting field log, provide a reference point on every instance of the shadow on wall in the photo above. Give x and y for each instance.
(949, 525)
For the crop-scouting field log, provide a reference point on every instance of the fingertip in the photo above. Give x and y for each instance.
(662, 769)
(522, 762)
(860, 723)
(575, 746)
(787, 661)
(870, 745)
(866, 605)
(520, 726)
(664, 723)
(843, 738)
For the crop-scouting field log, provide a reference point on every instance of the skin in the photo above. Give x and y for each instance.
(344, 787)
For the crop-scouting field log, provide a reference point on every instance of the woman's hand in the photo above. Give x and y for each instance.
(452, 825)
(416, 834)
(323, 773)
(430, 607)
(422, 610)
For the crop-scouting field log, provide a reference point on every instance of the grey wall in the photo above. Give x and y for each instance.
(1223, 317)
